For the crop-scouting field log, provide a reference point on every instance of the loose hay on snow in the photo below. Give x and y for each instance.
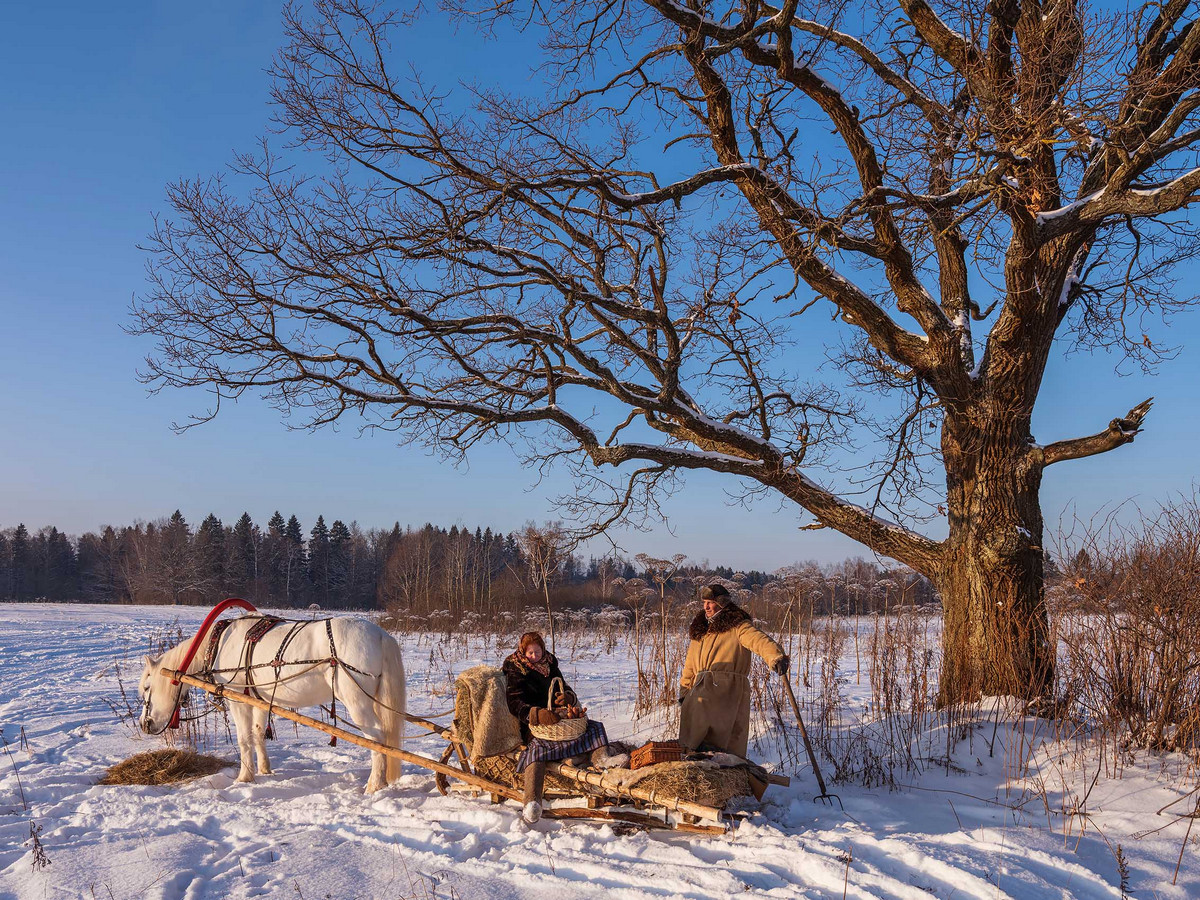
(164, 767)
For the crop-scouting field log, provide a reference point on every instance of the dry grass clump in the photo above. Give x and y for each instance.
(697, 783)
(164, 767)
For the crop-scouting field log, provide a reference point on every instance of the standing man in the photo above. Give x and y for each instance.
(715, 687)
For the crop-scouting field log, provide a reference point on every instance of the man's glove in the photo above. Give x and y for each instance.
(538, 716)
(566, 698)
(780, 666)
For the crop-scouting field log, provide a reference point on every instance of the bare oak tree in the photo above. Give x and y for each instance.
(621, 265)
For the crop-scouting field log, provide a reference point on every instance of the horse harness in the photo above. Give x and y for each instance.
(254, 636)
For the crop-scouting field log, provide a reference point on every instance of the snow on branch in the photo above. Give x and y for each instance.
(1104, 204)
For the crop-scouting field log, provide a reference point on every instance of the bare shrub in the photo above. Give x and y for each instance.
(1128, 611)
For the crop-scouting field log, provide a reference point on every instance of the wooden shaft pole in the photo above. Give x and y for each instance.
(437, 729)
(415, 758)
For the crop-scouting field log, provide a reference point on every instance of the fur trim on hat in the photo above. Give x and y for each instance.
(730, 617)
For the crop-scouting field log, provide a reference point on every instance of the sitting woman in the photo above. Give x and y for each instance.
(529, 673)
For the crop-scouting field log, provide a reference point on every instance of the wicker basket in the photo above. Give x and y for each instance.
(655, 752)
(563, 729)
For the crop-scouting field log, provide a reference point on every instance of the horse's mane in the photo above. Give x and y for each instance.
(174, 656)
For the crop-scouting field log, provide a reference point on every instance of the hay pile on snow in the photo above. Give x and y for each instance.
(164, 767)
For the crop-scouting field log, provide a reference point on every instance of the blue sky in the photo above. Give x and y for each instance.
(104, 105)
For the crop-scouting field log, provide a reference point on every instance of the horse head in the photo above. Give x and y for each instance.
(160, 698)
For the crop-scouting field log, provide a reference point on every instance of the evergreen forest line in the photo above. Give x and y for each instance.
(428, 571)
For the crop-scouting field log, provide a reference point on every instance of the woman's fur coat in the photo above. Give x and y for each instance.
(715, 686)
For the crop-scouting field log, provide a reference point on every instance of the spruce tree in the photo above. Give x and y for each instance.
(177, 569)
(296, 562)
(62, 574)
(210, 557)
(6, 587)
(340, 550)
(318, 561)
(243, 558)
(22, 577)
(275, 556)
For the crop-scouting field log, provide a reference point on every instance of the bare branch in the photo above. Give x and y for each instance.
(1119, 432)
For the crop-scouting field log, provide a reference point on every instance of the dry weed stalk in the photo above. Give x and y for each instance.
(1128, 611)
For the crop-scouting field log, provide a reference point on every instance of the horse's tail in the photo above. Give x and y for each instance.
(389, 705)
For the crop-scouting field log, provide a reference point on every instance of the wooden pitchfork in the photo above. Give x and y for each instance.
(824, 796)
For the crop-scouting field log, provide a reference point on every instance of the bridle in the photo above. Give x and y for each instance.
(174, 721)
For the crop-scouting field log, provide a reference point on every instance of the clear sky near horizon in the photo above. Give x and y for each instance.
(105, 104)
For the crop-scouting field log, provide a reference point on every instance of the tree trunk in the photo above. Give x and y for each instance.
(549, 609)
(997, 636)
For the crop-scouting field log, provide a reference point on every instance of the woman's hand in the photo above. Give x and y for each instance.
(543, 717)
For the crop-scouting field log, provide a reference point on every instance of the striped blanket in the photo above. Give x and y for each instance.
(547, 751)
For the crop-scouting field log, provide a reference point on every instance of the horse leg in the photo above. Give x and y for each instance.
(260, 741)
(244, 726)
(378, 779)
(362, 712)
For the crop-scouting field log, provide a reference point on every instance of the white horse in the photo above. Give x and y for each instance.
(367, 679)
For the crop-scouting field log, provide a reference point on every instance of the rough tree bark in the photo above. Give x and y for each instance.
(630, 301)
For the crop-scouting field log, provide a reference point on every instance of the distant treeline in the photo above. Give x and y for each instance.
(417, 571)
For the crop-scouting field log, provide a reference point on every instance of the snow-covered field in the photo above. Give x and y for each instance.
(308, 832)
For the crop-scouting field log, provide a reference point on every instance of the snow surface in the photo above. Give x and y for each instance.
(963, 830)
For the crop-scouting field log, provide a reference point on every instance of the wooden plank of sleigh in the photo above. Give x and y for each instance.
(592, 783)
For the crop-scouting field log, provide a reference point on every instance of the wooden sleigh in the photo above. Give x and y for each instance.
(606, 798)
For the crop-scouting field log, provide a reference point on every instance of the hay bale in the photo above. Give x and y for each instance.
(696, 782)
(164, 767)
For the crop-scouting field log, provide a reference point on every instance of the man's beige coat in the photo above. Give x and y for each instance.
(715, 685)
